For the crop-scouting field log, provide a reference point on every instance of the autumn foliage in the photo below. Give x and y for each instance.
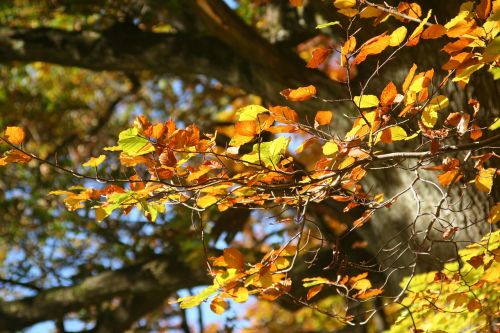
(409, 123)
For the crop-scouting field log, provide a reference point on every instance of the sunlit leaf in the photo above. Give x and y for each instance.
(495, 125)
(14, 135)
(330, 148)
(484, 179)
(366, 101)
(192, 301)
(388, 94)
(322, 118)
(94, 161)
(398, 36)
(133, 144)
(319, 55)
(342, 4)
(206, 201)
(218, 305)
(267, 153)
(300, 94)
(373, 46)
(494, 216)
(415, 36)
(314, 291)
(393, 133)
(329, 24)
(234, 258)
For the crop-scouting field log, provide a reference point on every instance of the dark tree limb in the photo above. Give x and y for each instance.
(149, 283)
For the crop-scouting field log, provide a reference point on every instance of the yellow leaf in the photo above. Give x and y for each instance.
(396, 133)
(484, 179)
(398, 36)
(94, 161)
(438, 103)
(240, 295)
(494, 214)
(362, 284)
(342, 4)
(415, 36)
(206, 201)
(366, 101)
(100, 214)
(330, 148)
(429, 117)
(14, 135)
(218, 305)
(495, 125)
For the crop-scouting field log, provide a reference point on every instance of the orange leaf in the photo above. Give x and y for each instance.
(322, 118)
(14, 135)
(314, 291)
(476, 132)
(296, 3)
(369, 293)
(246, 127)
(218, 305)
(433, 31)
(483, 9)
(447, 177)
(234, 258)
(319, 56)
(16, 156)
(388, 94)
(415, 36)
(373, 46)
(409, 78)
(300, 94)
(284, 114)
(346, 49)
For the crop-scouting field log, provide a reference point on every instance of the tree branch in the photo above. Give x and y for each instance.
(161, 276)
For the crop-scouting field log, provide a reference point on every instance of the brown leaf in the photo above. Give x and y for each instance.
(319, 55)
(449, 232)
(233, 258)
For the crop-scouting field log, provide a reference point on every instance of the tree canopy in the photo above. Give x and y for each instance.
(330, 165)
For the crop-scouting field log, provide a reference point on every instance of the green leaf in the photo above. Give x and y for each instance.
(195, 300)
(116, 200)
(133, 144)
(267, 153)
(366, 101)
(329, 24)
